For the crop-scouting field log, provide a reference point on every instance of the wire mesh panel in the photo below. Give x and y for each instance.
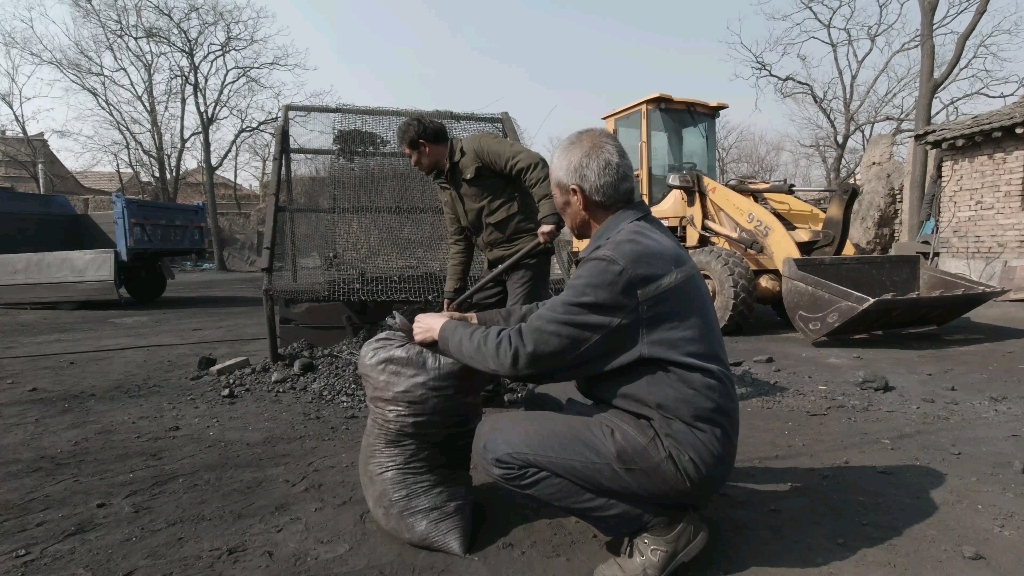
(355, 220)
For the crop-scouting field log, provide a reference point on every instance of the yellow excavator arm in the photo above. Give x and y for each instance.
(704, 212)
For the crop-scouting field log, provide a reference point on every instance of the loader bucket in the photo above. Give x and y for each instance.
(833, 296)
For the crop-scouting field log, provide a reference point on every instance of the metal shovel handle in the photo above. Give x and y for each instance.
(515, 259)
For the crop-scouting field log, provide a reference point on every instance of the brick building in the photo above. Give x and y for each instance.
(981, 202)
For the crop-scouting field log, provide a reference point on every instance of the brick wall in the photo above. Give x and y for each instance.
(982, 206)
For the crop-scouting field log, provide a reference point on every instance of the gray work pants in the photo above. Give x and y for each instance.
(598, 464)
(526, 283)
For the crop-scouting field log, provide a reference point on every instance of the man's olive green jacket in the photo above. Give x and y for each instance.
(495, 194)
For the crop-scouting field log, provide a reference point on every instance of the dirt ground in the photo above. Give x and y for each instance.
(115, 463)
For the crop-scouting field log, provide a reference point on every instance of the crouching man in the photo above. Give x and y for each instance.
(652, 432)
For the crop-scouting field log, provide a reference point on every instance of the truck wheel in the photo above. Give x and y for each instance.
(731, 284)
(144, 283)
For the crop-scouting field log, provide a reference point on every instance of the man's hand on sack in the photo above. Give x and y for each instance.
(547, 233)
(427, 327)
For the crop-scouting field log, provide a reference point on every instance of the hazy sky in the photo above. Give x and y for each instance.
(582, 58)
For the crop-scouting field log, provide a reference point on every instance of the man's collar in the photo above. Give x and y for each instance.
(455, 154)
(634, 211)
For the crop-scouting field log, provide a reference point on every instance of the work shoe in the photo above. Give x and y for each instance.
(660, 551)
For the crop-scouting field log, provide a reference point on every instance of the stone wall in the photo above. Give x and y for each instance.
(875, 221)
(982, 209)
(88, 204)
(242, 236)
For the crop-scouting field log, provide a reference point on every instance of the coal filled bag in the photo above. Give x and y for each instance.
(414, 463)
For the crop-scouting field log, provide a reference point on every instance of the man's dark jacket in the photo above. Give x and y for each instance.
(636, 329)
(495, 194)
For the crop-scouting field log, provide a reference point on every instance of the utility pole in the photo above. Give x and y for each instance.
(43, 188)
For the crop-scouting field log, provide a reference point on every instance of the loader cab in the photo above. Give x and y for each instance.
(664, 135)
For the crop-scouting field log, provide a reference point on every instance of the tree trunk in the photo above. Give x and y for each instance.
(835, 170)
(211, 204)
(234, 182)
(163, 190)
(922, 118)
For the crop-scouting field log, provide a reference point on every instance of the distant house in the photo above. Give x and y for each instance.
(981, 207)
(19, 166)
(230, 195)
(100, 182)
(190, 189)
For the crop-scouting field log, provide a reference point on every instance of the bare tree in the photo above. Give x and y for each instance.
(846, 69)
(22, 91)
(835, 64)
(257, 151)
(239, 68)
(728, 135)
(552, 144)
(132, 93)
(761, 154)
(800, 165)
(956, 50)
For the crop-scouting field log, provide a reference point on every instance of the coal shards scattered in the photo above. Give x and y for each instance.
(332, 379)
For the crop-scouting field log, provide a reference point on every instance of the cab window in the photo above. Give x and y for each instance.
(629, 132)
(679, 140)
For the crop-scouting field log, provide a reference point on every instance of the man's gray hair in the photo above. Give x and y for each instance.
(594, 160)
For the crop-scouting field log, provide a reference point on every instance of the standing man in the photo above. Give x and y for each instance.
(495, 194)
(648, 434)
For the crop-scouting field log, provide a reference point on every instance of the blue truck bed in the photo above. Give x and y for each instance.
(49, 253)
(145, 229)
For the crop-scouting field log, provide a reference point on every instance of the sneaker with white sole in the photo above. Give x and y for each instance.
(659, 551)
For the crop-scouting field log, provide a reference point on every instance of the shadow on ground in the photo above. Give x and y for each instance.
(765, 322)
(957, 334)
(164, 303)
(498, 511)
(198, 301)
(178, 303)
(812, 517)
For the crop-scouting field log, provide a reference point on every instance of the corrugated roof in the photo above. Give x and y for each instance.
(1002, 119)
(713, 106)
(105, 181)
(196, 176)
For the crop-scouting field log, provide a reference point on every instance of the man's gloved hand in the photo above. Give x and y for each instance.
(448, 305)
(547, 233)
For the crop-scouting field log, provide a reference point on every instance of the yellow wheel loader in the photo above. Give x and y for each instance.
(756, 242)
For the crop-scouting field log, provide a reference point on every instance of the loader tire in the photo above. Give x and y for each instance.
(731, 284)
(144, 283)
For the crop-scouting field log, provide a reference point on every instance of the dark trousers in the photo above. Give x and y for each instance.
(598, 464)
(526, 283)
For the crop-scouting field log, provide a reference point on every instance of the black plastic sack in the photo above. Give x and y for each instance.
(414, 463)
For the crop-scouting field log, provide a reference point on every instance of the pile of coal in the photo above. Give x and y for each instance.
(326, 375)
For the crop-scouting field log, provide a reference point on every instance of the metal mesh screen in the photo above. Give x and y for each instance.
(356, 221)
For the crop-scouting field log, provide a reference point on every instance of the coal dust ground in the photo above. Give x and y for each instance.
(117, 463)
